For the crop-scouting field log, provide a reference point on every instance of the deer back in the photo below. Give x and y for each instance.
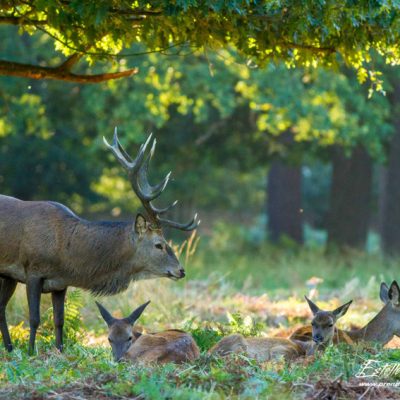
(163, 347)
(261, 349)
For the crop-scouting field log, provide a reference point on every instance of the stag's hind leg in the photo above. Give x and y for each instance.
(58, 299)
(34, 292)
(7, 288)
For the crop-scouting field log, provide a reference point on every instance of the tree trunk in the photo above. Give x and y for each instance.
(390, 229)
(350, 199)
(284, 210)
(382, 183)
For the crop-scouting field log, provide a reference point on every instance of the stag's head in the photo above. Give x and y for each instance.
(391, 297)
(120, 330)
(152, 253)
(323, 322)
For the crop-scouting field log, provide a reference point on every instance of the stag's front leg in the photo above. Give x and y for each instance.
(7, 288)
(58, 299)
(34, 291)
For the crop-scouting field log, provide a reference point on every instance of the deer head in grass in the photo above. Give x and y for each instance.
(323, 322)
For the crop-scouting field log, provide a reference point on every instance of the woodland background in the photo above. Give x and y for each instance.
(304, 156)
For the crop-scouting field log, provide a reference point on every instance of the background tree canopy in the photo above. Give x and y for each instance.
(299, 33)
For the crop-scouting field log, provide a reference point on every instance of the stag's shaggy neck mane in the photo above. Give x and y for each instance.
(100, 255)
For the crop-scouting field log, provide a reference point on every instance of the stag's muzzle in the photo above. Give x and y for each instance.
(176, 274)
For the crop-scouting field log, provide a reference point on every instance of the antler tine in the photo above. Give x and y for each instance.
(193, 224)
(116, 150)
(121, 149)
(150, 192)
(160, 211)
(140, 157)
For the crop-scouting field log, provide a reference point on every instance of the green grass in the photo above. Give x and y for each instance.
(231, 287)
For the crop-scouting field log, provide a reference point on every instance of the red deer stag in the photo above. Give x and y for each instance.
(46, 246)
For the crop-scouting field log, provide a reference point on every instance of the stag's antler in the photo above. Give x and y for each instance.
(137, 172)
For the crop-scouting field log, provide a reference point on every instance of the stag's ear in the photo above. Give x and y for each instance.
(340, 311)
(105, 314)
(136, 314)
(394, 293)
(141, 225)
(314, 308)
(384, 292)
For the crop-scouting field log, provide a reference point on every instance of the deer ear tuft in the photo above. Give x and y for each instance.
(384, 292)
(141, 225)
(394, 293)
(313, 307)
(340, 311)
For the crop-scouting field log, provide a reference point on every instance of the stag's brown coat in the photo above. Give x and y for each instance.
(46, 240)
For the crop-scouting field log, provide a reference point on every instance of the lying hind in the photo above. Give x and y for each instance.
(163, 347)
(266, 349)
(381, 329)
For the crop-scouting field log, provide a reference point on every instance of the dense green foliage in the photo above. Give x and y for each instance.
(301, 33)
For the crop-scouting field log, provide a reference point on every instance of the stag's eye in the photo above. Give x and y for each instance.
(330, 325)
(110, 340)
(129, 338)
(159, 246)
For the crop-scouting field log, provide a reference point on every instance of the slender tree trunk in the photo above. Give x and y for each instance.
(390, 229)
(382, 184)
(284, 210)
(350, 199)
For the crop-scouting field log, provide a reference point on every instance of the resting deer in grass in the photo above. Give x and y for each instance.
(380, 329)
(265, 349)
(162, 347)
(46, 246)
(262, 349)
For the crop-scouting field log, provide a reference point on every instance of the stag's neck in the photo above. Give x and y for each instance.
(104, 244)
(377, 330)
(100, 256)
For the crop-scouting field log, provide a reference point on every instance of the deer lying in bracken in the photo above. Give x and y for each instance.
(381, 328)
(46, 246)
(265, 349)
(163, 347)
